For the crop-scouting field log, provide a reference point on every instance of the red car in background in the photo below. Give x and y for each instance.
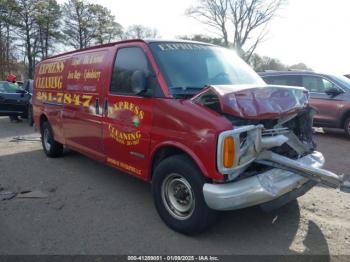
(329, 95)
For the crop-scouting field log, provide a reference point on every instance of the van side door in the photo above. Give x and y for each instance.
(83, 95)
(127, 116)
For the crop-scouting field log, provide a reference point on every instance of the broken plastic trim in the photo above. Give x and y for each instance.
(238, 165)
(247, 147)
(317, 174)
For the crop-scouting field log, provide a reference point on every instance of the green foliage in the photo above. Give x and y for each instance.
(106, 28)
(265, 63)
(86, 24)
(47, 17)
(77, 29)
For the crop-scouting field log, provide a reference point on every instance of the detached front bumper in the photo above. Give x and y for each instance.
(259, 189)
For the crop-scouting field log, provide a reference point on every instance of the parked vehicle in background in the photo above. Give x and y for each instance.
(329, 95)
(28, 86)
(14, 100)
(181, 115)
(20, 84)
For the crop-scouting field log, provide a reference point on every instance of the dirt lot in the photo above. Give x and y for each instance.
(94, 209)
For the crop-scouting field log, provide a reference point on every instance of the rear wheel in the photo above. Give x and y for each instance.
(347, 126)
(177, 188)
(51, 147)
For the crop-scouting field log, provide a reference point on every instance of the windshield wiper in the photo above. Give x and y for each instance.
(184, 91)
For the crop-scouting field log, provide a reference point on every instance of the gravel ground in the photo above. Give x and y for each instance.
(94, 209)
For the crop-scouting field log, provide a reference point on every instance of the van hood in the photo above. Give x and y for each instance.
(253, 102)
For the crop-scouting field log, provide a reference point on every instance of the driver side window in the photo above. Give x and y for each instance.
(128, 60)
(314, 84)
(328, 85)
(2, 88)
(318, 84)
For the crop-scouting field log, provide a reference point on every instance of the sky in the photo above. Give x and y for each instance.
(315, 32)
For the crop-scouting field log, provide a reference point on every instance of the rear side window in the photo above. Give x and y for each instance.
(287, 80)
(313, 84)
(127, 61)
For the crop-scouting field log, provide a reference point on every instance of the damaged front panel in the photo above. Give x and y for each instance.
(250, 102)
(272, 128)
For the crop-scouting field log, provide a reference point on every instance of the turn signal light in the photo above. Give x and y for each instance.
(229, 152)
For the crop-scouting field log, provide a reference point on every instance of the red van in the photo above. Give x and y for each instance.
(191, 118)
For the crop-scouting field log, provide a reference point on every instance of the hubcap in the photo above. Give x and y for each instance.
(178, 197)
(349, 128)
(47, 140)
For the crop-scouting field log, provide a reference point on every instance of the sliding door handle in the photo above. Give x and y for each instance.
(97, 106)
(105, 107)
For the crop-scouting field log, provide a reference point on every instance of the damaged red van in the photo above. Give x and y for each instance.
(191, 118)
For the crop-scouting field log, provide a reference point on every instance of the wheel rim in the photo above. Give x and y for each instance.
(348, 127)
(178, 197)
(47, 140)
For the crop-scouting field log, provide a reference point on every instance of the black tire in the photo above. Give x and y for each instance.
(182, 169)
(30, 115)
(347, 126)
(51, 147)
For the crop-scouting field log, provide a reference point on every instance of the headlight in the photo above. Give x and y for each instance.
(236, 149)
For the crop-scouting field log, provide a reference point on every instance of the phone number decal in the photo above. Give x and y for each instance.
(65, 98)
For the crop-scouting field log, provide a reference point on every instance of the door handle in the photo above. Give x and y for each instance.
(97, 106)
(105, 107)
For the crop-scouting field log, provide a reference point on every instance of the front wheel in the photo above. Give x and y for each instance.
(51, 147)
(177, 188)
(347, 126)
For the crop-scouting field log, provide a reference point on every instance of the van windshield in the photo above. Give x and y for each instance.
(189, 67)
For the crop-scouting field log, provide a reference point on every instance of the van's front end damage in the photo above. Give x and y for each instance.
(261, 188)
(269, 155)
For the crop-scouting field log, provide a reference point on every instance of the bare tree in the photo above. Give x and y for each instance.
(249, 19)
(140, 32)
(300, 66)
(213, 13)
(24, 23)
(4, 37)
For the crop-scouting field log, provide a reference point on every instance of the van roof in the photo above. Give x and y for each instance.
(147, 41)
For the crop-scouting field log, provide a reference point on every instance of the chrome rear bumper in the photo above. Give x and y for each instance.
(259, 189)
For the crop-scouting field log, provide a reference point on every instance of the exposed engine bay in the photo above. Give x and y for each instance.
(272, 128)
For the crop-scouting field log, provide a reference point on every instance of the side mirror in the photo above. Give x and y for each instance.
(138, 82)
(333, 91)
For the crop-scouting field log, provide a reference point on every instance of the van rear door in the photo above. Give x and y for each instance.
(128, 117)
